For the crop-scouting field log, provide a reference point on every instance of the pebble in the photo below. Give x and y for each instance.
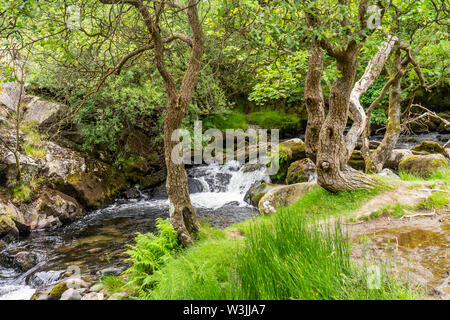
(71, 294)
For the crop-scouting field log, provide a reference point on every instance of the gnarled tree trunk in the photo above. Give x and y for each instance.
(333, 172)
(314, 101)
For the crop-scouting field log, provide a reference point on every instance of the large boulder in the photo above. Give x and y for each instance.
(423, 165)
(397, 156)
(9, 94)
(289, 152)
(25, 260)
(44, 113)
(283, 196)
(54, 208)
(430, 147)
(12, 222)
(303, 170)
(257, 191)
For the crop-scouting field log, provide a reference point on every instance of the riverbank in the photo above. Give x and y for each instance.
(291, 254)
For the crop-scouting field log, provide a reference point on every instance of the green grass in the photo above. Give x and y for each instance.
(283, 256)
(437, 200)
(234, 120)
(441, 175)
(35, 152)
(275, 119)
(22, 193)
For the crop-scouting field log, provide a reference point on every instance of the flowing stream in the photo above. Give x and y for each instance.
(97, 241)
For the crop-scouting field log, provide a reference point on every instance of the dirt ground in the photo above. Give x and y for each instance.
(415, 247)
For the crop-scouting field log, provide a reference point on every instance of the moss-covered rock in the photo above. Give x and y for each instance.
(57, 291)
(430, 147)
(12, 223)
(303, 170)
(283, 196)
(289, 151)
(423, 165)
(257, 191)
(397, 156)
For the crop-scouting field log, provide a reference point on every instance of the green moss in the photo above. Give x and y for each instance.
(35, 152)
(58, 290)
(22, 193)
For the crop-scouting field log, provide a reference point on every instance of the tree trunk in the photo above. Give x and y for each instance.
(183, 217)
(375, 160)
(314, 101)
(333, 173)
(371, 73)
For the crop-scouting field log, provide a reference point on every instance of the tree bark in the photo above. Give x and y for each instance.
(333, 172)
(315, 105)
(375, 160)
(371, 73)
(183, 217)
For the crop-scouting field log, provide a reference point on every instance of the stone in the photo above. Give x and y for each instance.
(110, 272)
(44, 113)
(96, 287)
(388, 173)
(257, 191)
(53, 203)
(71, 294)
(289, 152)
(303, 170)
(423, 165)
(12, 222)
(93, 296)
(118, 296)
(356, 161)
(25, 260)
(9, 94)
(430, 147)
(397, 156)
(57, 290)
(283, 196)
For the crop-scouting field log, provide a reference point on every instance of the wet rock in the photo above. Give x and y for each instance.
(257, 191)
(57, 291)
(111, 272)
(423, 165)
(283, 196)
(71, 294)
(12, 222)
(303, 170)
(55, 205)
(30, 167)
(248, 167)
(430, 147)
(25, 260)
(397, 156)
(195, 186)
(44, 278)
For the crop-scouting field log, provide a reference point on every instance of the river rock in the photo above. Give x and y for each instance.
(52, 203)
(303, 170)
(96, 287)
(397, 156)
(12, 222)
(257, 191)
(93, 296)
(423, 165)
(71, 294)
(25, 260)
(289, 152)
(430, 147)
(118, 296)
(283, 196)
(110, 272)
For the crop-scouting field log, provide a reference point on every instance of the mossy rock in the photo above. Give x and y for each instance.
(257, 191)
(57, 291)
(356, 161)
(303, 170)
(289, 152)
(430, 147)
(423, 165)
